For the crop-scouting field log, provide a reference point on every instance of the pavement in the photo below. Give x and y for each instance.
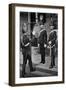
(42, 70)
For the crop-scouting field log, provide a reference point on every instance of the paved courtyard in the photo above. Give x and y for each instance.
(42, 70)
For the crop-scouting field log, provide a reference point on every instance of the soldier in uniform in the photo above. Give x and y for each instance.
(42, 40)
(42, 43)
(26, 49)
(52, 43)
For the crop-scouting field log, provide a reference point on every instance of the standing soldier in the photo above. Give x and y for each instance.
(42, 41)
(52, 43)
(26, 50)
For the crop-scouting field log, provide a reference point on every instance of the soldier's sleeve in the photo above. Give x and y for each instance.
(54, 36)
(46, 38)
(22, 44)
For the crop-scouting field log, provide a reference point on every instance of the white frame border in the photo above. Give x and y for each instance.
(17, 29)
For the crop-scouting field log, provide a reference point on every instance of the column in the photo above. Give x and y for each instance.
(29, 30)
(36, 17)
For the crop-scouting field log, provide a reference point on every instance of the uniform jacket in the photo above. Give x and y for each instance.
(43, 37)
(53, 37)
(25, 40)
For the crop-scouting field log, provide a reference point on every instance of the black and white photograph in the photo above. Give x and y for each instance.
(38, 44)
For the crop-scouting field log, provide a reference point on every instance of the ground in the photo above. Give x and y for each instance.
(42, 70)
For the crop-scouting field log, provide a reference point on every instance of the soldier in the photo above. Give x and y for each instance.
(26, 50)
(52, 43)
(42, 40)
(42, 43)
